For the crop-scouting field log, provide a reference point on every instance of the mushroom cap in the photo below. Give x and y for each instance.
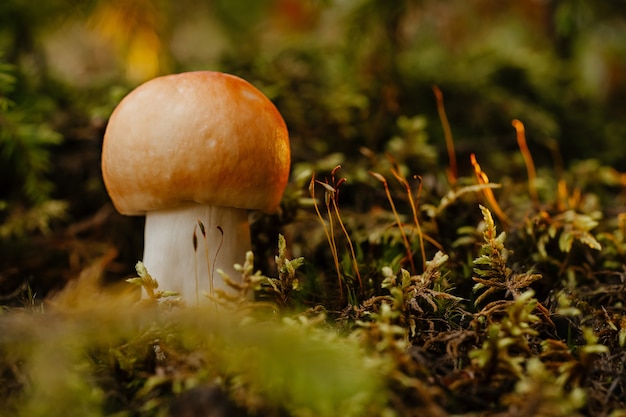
(196, 137)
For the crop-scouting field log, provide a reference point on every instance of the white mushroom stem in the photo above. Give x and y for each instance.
(169, 253)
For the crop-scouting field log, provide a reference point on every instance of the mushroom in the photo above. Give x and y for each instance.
(193, 152)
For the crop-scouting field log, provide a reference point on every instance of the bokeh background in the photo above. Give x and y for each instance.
(352, 78)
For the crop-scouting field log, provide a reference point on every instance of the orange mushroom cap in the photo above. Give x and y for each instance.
(196, 137)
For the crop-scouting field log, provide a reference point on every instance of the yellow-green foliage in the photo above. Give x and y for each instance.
(62, 359)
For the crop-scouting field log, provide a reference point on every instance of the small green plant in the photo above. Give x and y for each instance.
(569, 226)
(540, 393)
(273, 294)
(407, 292)
(507, 346)
(491, 269)
(26, 141)
(281, 289)
(151, 286)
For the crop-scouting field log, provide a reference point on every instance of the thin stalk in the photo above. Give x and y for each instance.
(210, 265)
(217, 251)
(345, 232)
(561, 193)
(528, 160)
(562, 198)
(452, 170)
(333, 248)
(206, 252)
(416, 213)
(402, 180)
(195, 264)
(331, 231)
(405, 240)
(334, 190)
(487, 192)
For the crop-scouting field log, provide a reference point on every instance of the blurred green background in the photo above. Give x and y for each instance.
(352, 78)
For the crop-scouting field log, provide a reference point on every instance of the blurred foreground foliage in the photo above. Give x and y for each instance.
(418, 286)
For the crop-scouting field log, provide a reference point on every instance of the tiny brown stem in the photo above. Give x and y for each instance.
(195, 262)
(405, 240)
(206, 253)
(326, 231)
(528, 160)
(355, 265)
(487, 192)
(452, 172)
(402, 180)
